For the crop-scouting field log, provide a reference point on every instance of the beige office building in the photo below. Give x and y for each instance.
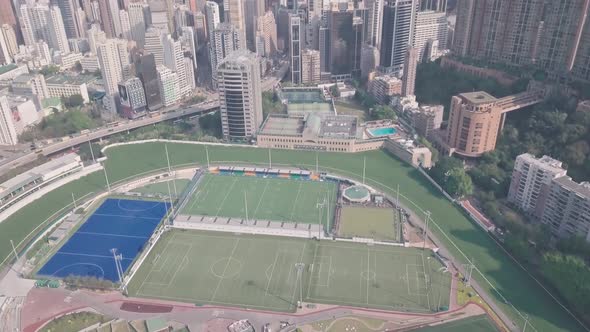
(310, 66)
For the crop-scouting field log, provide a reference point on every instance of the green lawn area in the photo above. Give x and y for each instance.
(268, 199)
(74, 322)
(260, 272)
(162, 187)
(350, 108)
(381, 224)
(460, 235)
(471, 324)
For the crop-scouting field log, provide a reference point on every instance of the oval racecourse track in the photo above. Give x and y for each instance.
(508, 284)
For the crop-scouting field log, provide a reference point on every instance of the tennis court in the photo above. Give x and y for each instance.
(123, 224)
(261, 272)
(274, 199)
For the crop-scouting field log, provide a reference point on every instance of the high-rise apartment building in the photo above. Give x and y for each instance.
(234, 14)
(531, 182)
(111, 67)
(310, 66)
(399, 19)
(8, 134)
(162, 15)
(430, 26)
(109, 16)
(8, 14)
(267, 32)
(374, 23)
(240, 95)
(567, 208)
(145, 67)
(212, 16)
(295, 35)
(201, 28)
(57, 33)
(153, 44)
(225, 40)
(125, 24)
(8, 44)
(409, 78)
(69, 12)
(174, 60)
(546, 33)
(341, 40)
(139, 14)
(169, 85)
(95, 37)
(435, 5)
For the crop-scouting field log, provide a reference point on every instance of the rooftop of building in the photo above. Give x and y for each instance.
(7, 68)
(545, 160)
(312, 125)
(36, 173)
(582, 188)
(23, 78)
(478, 97)
(61, 79)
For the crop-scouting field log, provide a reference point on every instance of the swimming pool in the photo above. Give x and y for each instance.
(385, 131)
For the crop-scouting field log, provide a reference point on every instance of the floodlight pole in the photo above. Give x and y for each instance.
(526, 322)
(317, 166)
(104, 168)
(327, 212)
(364, 165)
(91, 152)
(171, 204)
(246, 204)
(426, 229)
(269, 159)
(170, 170)
(397, 199)
(207, 153)
(74, 201)
(299, 267)
(14, 249)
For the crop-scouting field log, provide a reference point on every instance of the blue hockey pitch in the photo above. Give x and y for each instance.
(118, 223)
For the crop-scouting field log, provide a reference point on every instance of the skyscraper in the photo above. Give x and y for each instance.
(430, 26)
(8, 134)
(240, 95)
(69, 9)
(225, 40)
(212, 16)
(8, 44)
(125, 24)
(409, 78)
(374, 24)
(174, 60)
(139, 14)
(267, 30)
(341, 40)
(8, 16)
(153, 44)
(169, 85)
(111, 67)
(399, 17)
(57, 33)
(234, 12)
(295, 35)
(434, 5)
(145, 67)
(109, 15)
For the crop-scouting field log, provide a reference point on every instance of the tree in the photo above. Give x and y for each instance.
(49, 70)
(458, 183)
(451, 176)
(211, 124)
(78, 67)
(334, 91)
(85, 153)
(73, 101)
(271, 103)
(381, 112)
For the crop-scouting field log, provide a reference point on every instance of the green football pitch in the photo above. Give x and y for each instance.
(381, 224)
(267, 198)
(260, 272)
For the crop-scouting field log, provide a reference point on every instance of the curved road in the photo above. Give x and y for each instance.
(124, 125)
